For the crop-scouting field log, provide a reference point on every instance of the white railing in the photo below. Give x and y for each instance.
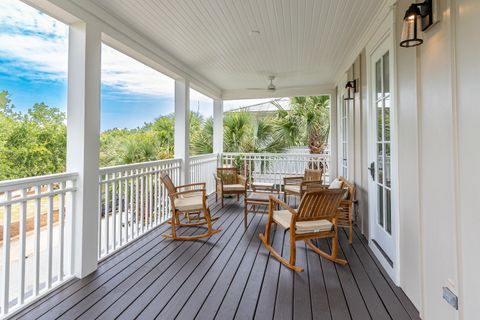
(37, 230)
(273, 167)
(132, 200)
(203, 168)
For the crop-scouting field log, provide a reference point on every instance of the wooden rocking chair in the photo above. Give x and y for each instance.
(188, 202)
(315, 218)
(297, 186)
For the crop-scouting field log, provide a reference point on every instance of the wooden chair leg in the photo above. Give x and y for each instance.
(246, 216)
(277, 256)
(293, 249)
(238, 197)
(174, 217)
(350, 236)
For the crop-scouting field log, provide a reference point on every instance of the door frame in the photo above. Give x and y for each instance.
(385, 35)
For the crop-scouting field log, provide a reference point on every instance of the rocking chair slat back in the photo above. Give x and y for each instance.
(168, 183)
(313, 175)
(319, 204)
(227, 175)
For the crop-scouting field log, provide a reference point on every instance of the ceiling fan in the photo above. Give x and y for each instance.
(270, 87)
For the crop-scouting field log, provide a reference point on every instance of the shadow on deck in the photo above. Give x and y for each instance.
(230, 275)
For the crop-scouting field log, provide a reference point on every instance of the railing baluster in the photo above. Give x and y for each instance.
(132, 227)
(38, 206)
(50, 236)
(120, 209)
(125, 207)
(100, 210)
(114, 212)
(23, 221)
(6, 253)
(106, 215)
(61, 217)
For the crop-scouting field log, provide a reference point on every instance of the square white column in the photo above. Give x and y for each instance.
(182, 126)
(218, 126)
(83, 142)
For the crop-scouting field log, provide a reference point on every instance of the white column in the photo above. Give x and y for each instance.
(83, 131)
(218, 126)
(182, 134)
(333, 170)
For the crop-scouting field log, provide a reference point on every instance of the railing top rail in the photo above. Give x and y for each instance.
(139, 165)
(204, 156)
(277, 154)
(10, 185)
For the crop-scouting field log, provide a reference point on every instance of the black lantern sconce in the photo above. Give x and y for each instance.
(351, 87)
(418, 14)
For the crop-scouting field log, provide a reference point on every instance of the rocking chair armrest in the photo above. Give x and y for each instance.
(317, 183)
(176, 194)
(274, 200)
(218, 180)
(292, 180)
(203, 184)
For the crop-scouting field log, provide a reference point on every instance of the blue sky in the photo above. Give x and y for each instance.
(33, 68)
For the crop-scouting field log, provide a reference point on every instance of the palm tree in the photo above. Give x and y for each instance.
(201, 141)
(236, 131)
(307, 123)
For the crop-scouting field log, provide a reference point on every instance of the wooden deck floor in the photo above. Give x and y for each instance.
(228, 276)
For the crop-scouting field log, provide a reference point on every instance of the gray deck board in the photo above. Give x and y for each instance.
(230, 275)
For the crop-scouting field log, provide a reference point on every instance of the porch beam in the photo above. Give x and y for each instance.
(182, 125)
(83, 135)
(218, 126)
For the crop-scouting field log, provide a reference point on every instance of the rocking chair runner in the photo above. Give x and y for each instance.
(315, 218)
(187, 202)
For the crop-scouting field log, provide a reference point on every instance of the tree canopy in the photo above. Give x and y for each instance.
(34, 143)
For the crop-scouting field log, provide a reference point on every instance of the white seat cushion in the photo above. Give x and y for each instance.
(336, 184)
(189, 203)
(283, 218)
(292, 188)
(192, 194)
(233, 187)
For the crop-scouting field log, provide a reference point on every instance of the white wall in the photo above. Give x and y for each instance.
(438, 160)
(408, 170)
(467, 16)
(435, 112)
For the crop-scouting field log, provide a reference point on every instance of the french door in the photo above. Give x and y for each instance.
(381, 153)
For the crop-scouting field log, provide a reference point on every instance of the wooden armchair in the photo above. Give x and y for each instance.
(315, 218)
(227, 182)
(186, 202)
(297, 186)
(345, 210)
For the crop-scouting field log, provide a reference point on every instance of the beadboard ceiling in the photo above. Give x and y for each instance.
(302, 42)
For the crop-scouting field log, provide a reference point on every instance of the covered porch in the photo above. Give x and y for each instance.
(403, 129)
(228, 276)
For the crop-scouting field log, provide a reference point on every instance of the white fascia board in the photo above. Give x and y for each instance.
(279, 93)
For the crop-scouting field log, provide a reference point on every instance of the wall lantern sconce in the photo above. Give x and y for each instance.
(351, 87)
(418, 14)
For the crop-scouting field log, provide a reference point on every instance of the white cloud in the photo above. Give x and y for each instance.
(127, 74)
(35, 46)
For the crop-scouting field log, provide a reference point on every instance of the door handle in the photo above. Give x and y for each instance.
(372, 170)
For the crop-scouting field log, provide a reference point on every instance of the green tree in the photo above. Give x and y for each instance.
(31, 144)
(306, 123)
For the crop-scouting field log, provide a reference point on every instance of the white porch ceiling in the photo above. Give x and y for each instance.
(302, 42)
